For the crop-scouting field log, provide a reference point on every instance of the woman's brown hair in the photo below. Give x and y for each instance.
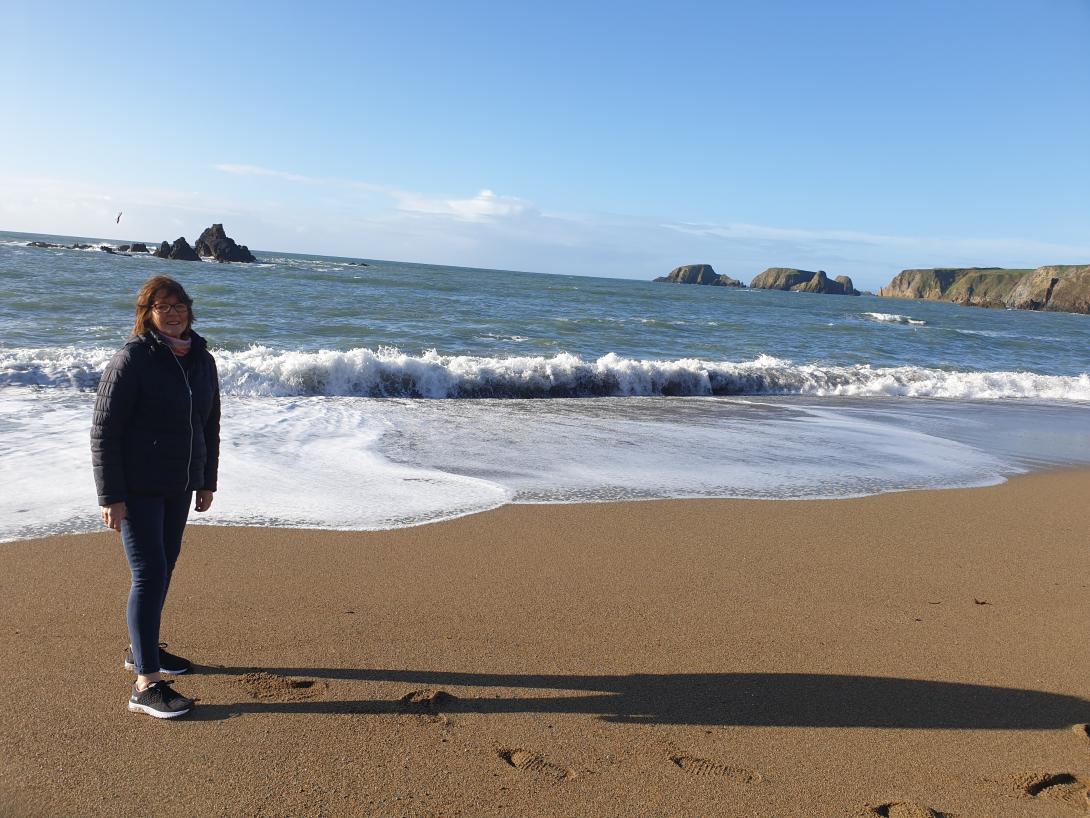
(165, 286)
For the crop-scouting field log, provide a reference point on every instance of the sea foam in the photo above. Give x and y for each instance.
(387, 372)
(364, 463)
(893, 318)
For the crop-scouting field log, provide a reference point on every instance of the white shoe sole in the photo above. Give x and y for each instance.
(130, 666)
(159, 714)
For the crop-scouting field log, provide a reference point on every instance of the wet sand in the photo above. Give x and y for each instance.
(887, 655)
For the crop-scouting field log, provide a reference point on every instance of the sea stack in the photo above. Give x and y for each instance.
(178, 251)
(215, 243)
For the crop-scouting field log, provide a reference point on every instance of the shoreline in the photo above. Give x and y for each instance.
(670, 657)
(195, 521)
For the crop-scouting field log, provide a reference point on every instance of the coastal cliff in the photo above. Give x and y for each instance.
(803, 281)
(1060, 287)
(1057, 288)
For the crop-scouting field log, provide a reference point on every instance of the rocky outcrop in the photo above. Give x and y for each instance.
(105, 248)
(215, 243)
(179, 251)
(818, 283)
(1058, 288)
(802, 281)
(76, 246)
(699, 274)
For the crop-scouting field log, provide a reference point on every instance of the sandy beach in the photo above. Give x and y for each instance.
(906, 654)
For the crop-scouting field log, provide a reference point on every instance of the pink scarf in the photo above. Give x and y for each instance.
(179, 346)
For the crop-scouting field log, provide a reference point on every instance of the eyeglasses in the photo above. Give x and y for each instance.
(163, 309)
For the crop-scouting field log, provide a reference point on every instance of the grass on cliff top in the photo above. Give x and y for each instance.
(990, 285)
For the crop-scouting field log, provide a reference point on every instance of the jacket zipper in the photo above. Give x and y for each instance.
(188, 389)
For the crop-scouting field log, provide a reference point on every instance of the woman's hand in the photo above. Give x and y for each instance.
(204, 500)
(113, 514)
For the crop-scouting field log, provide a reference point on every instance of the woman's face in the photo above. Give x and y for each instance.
(169, 315)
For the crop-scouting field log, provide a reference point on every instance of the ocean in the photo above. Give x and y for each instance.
(368, 394)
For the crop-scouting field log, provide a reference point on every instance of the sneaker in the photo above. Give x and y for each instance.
(160, 701)
(168, 663)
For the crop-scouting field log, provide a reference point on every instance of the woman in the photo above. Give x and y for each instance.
(154, 443)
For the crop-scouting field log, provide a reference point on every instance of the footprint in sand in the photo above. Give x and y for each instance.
(1065, 788)
(702, 766)
(1082, 733)
(270, 686)
(433, 700)
(429, 704)
(906, 809)
(527, 761)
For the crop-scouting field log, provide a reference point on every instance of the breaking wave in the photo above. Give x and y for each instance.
(892, 318)
(388, 372)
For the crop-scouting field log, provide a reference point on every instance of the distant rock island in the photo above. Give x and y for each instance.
(213, 243)
(699, 274)
(803, 281)
(774, 278)
(1056, 288)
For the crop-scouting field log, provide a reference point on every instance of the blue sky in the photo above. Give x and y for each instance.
(615, 139)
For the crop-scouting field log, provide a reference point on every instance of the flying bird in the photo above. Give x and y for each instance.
(118, 219)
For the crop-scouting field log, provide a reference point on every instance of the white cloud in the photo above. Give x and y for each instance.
(982, 250)
(298, 178)
(756, 231)
(484, 205)
(254, 170)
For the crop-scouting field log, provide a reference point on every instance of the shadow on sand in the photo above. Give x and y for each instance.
(749, 699)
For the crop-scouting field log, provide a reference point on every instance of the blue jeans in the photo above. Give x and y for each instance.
(152, 535)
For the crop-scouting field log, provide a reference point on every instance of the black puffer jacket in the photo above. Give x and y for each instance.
(156, 427)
